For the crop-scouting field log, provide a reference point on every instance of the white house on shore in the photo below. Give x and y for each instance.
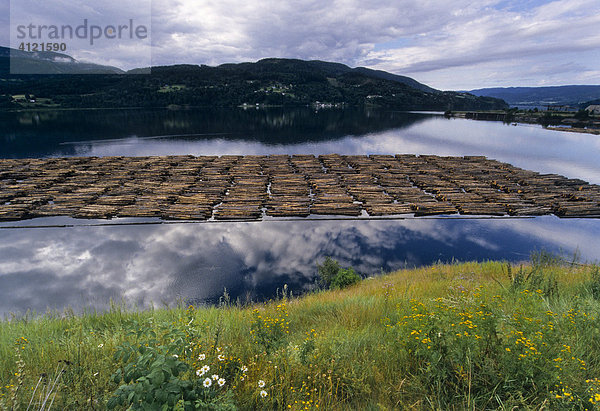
(593, 109)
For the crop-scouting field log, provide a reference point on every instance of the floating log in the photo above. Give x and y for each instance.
(245, 187)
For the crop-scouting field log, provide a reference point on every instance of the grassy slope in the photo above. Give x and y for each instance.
(441, 337)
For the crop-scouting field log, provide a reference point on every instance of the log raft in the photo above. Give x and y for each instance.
(253, 187)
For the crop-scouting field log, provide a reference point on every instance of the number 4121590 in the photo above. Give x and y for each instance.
(43, 47)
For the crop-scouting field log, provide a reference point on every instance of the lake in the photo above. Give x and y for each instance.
(54, 263)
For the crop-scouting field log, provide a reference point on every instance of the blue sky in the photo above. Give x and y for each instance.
(463, 44)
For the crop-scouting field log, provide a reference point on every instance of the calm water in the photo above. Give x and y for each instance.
(85, 264)
(279, 131)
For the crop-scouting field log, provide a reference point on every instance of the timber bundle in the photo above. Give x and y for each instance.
(233, 187)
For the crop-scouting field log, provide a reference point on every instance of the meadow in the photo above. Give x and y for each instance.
(458, 336)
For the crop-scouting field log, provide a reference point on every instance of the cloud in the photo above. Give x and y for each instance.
(450, 45)
(493, 40)
(344, 30)
(97, 32)
(144, 265)
(505, 38)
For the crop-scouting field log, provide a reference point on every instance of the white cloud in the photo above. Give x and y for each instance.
(144, 264)
(441, 40)
(450, 45)
(509, 40)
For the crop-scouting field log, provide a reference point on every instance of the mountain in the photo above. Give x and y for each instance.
(273, 81)
(48, 62)
(326, 68)
(394, 77)
(538, 96)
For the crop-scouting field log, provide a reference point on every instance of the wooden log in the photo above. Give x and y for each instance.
(285, 185)
(424, 209)
(482, 209)
(389, 209)
(333, 208)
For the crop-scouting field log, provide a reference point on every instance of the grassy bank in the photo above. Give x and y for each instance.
(457, 336)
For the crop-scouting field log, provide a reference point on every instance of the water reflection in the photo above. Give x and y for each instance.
(297, 131)
(87, 266)
(80, 132)
(155, 264)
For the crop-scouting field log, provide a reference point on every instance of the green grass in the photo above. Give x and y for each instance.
(461, 336)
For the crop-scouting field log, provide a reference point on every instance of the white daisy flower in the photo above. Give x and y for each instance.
(263, 393)
(261, 383)
(205, 369)
(215, 377)
(201, 357)
(221, 382)
(199, 373)
(100, 345)
(207, 383)
(244, 369)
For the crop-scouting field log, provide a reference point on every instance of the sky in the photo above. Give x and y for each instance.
(458, 45)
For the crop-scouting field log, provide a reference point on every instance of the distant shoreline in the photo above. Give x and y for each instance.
(559, 121)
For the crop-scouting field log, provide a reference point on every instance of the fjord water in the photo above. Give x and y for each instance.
(86, 263)
(292, 131)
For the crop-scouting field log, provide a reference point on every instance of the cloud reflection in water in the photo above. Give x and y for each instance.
(528, 146)
(159, 264)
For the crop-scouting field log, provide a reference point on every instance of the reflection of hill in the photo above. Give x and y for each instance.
(39, 134)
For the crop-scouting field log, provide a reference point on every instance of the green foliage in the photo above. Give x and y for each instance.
(328, 271)
(344, 278)
(332, 276)
(582, 115)
(593, 284)
(270, 331)
(152, 381)
(550, 119)
(538, 276)
(480, 346)
(156, 374)
(443, 337)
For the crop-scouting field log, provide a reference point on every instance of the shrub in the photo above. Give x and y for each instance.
(345, 278)
(332, 276)
(328, 271)
(176, 367)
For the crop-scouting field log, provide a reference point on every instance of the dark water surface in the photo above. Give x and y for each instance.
(86, 266)
(299, 131)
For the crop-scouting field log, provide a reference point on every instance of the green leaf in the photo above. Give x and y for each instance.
(161, 396)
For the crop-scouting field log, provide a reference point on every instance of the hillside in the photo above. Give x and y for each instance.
(564, 95)
(281, 82)
(453, 337)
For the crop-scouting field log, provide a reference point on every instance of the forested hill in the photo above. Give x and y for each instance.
(284, 82)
